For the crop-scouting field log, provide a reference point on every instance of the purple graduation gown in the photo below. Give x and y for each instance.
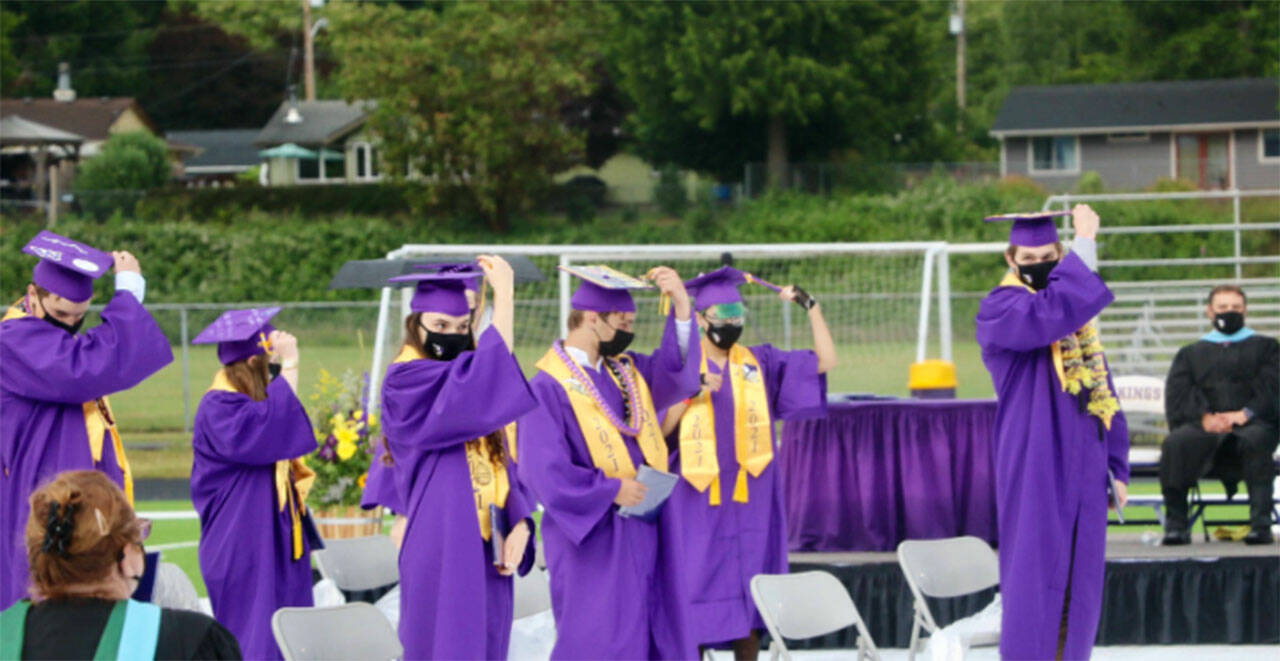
(46, 377)
(1051, 466)
(380, 485)
(604, 568)
(246, 540)
(453, 604)
(724, 546)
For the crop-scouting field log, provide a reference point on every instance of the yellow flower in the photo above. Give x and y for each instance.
(373, 420)
(346, 450)
(357, 415)
(337, 420)
(364, 479)
(345, 434)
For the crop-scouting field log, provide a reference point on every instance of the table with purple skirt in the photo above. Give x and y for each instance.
(875, 472)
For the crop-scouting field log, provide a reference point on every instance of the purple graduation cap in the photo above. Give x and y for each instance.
(717, 287)
(603, 289)
(1036, 228)
(472, 284)
(240, 334)
(67, 267)
(444, 291)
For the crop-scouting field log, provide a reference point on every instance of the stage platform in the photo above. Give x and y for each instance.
(1204, 593)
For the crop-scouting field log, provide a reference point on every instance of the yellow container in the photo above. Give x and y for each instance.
(932, 379)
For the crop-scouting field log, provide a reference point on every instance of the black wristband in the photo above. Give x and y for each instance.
(804, 300)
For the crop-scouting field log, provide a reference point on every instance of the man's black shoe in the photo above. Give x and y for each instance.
(1259, 536)
(1176, 538)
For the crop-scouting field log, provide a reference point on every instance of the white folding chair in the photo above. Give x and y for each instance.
(361, 563)
(944, 568)
(532, 593)
(805, 605)
(174, 589)
(350, 631)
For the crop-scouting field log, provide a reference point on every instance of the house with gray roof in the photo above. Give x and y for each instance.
(223, 155)
(318, 142)
(1215, 134)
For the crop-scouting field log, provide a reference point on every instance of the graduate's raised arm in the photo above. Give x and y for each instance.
(502, 279)
(436, 404)
(231, 426)
(46, 363)
(672, 369)
(823, 345)
(1018, 320)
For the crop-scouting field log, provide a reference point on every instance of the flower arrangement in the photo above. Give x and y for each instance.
(346, 436)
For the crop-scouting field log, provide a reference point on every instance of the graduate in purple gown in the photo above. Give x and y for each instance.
(380, 486)
(615, 584)
(1059, 431)
(726, 512)
(54, 381)
(444, 406)
(248, 482)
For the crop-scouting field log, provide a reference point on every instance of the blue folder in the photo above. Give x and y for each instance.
(660, 486)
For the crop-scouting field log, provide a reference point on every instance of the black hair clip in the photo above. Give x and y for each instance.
(58, 530)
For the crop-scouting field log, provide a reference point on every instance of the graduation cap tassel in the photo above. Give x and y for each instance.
(479, 313)
(664, 305)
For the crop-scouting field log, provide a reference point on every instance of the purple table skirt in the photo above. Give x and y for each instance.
(873, 473)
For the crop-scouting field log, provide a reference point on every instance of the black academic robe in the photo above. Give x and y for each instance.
(1210, 377)
(70, 629)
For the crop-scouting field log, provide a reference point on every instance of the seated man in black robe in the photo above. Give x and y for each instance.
(1221, 403)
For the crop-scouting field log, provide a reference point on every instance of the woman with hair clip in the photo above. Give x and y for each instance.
(84, 546)
(248, 482)
(445, 402)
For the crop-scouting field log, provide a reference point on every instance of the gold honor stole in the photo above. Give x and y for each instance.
(604, 441)
(98, 421)
(1072, 378)
(752, 429)
(490, 483)
(289, 472)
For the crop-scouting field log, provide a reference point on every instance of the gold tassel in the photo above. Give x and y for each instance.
(664, 305)
(714, 492)
(740, 488)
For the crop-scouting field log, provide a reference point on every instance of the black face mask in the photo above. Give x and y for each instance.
(724, 336)
(447, 346)
(273, 370)
(70, 328)
(1228, 322)
(617, 344)
(1036, 275)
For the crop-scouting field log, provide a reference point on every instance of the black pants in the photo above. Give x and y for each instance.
(1190, 452)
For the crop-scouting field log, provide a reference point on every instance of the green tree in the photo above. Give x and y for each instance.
(128, 165)
(469, 99)
(105, 43)
(784, 79)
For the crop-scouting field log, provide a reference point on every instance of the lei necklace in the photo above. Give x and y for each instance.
(632, 402)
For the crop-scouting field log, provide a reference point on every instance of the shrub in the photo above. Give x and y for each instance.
(128, 165)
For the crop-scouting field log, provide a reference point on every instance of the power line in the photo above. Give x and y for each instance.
(198, 83)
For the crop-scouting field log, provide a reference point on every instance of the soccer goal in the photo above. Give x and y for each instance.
(878, 299)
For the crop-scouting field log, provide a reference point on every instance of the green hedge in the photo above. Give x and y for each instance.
(257, 255)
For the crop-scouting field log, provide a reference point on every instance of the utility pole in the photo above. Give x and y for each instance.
(308, 53)
(957, 28)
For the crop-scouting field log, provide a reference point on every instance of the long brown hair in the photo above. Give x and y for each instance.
(97, 523)
(494, 441)
(250, 376)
